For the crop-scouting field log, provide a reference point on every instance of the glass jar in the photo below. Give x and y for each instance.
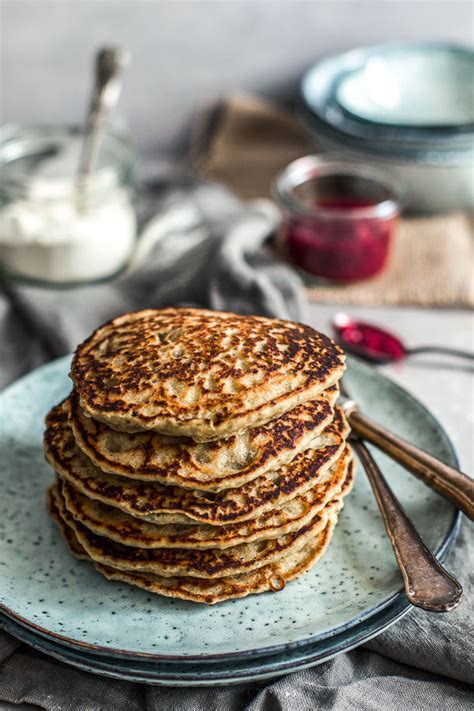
(338, 219)
(55, 227)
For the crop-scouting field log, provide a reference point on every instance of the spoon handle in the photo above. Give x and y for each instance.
(441, 349)
(448, 482)
(427, 584)
(109, 67)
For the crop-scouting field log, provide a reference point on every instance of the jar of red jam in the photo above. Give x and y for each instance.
(338, 218)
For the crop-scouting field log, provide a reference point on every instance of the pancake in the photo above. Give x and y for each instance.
(272, 577)
(112, 523)
(207, 466)
(155, 502)
(201, 374)
(209, 563)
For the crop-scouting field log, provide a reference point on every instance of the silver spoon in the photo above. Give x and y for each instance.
(427, 584)
(447, 481)
(109, 67)
(378, 345)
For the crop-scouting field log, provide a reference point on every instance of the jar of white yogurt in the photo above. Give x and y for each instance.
(54, 227)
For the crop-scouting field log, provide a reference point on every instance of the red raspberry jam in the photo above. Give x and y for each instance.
(367, 340)
(337, 223)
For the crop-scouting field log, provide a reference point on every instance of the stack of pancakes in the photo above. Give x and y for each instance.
(200, 454)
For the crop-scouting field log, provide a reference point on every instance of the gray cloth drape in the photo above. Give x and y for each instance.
(206, 248)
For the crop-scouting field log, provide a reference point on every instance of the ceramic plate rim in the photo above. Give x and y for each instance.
(99, 650)
(399, 603)
(274, 669)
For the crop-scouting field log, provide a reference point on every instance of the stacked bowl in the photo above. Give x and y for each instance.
(406, 107)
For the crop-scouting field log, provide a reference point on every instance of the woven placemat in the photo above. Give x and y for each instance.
(245, 141)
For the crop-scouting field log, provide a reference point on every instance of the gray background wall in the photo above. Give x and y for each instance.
(186, 53)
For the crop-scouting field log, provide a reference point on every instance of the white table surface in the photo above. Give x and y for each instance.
(444, 385)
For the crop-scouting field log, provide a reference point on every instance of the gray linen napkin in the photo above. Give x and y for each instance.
(207, 248)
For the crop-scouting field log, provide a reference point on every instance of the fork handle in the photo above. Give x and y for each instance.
(427, 584)
(449, 482)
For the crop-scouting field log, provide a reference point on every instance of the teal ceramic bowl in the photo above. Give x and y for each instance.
(407, 108)
(422, 88)
(411, 97)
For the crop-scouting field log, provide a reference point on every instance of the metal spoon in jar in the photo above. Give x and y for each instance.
(109, 66)
(377, 345)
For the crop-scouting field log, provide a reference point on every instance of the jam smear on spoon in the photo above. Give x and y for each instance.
(380, 346)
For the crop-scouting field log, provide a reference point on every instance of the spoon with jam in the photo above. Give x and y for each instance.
(377, 345)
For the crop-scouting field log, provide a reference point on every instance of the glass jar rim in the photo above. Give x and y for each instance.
(313, 166)
(23, 141)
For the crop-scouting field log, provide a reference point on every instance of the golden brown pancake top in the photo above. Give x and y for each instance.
(200, 373)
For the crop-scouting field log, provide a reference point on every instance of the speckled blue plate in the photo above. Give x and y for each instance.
(64, 600)
(230, 671)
